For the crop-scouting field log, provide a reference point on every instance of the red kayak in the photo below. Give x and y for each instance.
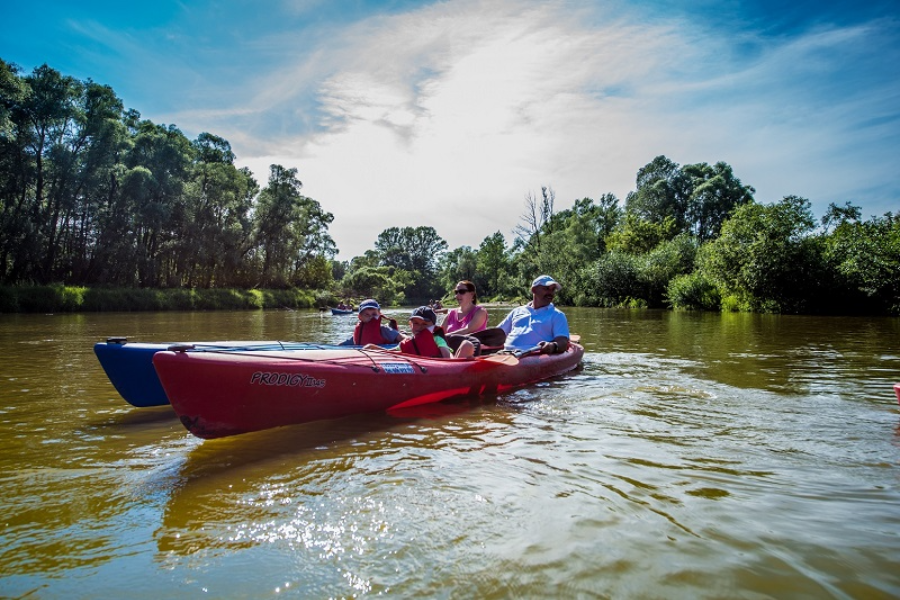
(226, 393)
(897, 391)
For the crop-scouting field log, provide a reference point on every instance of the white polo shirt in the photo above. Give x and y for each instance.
(525, 326)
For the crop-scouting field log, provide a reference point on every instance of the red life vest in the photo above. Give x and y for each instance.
(369, 333)
(422, 344)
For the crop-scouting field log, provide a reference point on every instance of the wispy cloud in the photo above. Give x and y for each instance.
(449, 114)
(456, 111)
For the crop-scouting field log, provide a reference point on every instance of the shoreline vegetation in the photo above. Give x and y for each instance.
(101, 210)
(73, 299)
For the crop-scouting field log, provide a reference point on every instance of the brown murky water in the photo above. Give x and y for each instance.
(692, 456)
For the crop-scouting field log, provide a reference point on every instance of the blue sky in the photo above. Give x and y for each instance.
(448, 114)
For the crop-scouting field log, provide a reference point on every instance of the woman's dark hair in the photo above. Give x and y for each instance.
(471, 287)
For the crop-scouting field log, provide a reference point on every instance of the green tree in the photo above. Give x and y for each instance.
(574, 239)
(493, 267)
(158, 164)
(866, 256)
(417, 251)
(113, 245)
(766, 258)
(535, 222)
(587, 225)
(714, 193)
(697, 198)
(61, 144)
(693, 291)
(663, 192)
(411, 248)
(538, 247)
(617, 279)
(840, 215)
(219, 199)
(292, 233)
(369, 258)
(339, 268)
(373, 282)
(13, 220)
(458, 265)
(670, 259)
(90, 193)
(636, 235)
(564, 243)
(42, 119)
(13, 91)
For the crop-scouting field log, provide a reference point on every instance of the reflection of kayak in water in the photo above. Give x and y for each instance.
(206, 491)
(225, 393)
(129, 365)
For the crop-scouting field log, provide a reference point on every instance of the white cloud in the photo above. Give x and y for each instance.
(449, 115)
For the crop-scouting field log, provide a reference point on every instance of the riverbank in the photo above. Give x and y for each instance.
(73, 299)
(60, 298)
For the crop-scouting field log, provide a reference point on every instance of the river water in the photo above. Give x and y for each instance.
(691, 456)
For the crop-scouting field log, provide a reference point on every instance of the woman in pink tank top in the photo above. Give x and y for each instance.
(469, 317)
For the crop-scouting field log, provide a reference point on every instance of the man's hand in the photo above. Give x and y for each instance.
(549, 347)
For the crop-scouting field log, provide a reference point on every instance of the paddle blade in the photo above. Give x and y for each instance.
(534, 350)
(504, 359)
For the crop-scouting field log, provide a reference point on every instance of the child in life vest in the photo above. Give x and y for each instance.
(428, 340)
(369, 330)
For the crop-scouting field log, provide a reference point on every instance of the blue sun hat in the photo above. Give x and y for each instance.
(370, 303)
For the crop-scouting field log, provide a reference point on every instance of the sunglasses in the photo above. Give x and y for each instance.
(458, 292)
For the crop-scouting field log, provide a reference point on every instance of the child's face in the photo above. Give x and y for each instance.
(418, 325)
(367, 314)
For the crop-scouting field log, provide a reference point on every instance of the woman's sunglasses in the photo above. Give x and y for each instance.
(459, 292)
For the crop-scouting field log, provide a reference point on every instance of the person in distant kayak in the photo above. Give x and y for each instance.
(538, 325)
(370, 330)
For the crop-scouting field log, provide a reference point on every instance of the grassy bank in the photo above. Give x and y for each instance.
(60, 298)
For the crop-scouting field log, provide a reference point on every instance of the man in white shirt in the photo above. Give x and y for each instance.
(538, 324)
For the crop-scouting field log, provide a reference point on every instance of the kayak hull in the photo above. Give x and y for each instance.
(129, 365)
(897, 391)
(130, 370)
(221, 394)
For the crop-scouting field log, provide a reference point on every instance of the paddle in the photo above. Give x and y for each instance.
(510, 358)
(492, 336)
(504, 358)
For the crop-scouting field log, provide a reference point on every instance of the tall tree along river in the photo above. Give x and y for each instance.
(691, 456)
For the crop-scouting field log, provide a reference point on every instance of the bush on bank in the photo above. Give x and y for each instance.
(60, 298)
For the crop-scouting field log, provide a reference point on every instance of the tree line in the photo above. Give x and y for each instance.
(93, 195)
(688, 237)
